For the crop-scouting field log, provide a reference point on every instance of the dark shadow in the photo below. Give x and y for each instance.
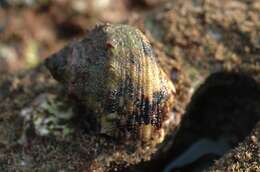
(69, 29)
(226, 106)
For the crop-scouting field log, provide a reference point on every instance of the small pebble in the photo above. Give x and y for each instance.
(253, 139)
(248, 156)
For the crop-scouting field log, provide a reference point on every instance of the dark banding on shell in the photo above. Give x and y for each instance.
(114, 72)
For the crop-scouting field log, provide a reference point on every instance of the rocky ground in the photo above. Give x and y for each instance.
(210, 49)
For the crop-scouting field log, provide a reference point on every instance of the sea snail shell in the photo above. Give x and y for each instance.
(114, 72)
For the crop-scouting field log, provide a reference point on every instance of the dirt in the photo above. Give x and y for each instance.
(244, 157)
(210, 49)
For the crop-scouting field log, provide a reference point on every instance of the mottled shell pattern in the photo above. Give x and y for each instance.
(114, 72)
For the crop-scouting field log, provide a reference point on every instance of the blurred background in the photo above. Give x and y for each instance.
(30, 30)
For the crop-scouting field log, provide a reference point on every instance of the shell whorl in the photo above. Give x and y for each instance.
(115, 73)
